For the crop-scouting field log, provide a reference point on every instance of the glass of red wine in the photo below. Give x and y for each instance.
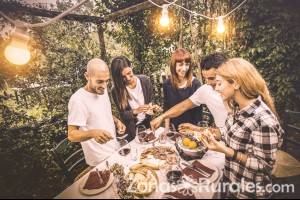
(172, 133)
(125, 147)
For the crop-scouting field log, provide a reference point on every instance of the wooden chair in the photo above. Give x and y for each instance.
(69, 157)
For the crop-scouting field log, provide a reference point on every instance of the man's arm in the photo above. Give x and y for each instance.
(175, 111)
(178, 109)
(76, 135)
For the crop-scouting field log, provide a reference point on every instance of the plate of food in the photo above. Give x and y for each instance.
(143, 180)
(153, 109)
(146, 137)
(192, 146)
(199, 172)
(150, 110)
(96, 182)
(158, 156)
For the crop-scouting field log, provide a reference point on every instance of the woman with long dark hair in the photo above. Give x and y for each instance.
(132, 95)
(180, 86)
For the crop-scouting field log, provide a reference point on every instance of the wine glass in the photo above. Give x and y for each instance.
(140, 129)
(204, 125)
(125, 150)
(121, 138)
(171, 132)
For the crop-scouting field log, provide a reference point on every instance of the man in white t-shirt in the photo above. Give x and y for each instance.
(90, 119)
(206, 94)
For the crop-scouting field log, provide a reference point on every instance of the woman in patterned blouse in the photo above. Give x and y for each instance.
(252, 133)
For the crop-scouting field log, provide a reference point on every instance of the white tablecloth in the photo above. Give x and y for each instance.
(211, 158)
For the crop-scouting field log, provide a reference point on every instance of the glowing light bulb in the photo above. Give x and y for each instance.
(165, 20)
(17, 51)
(221, 27)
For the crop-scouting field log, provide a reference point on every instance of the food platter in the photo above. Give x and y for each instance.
(143, 180)
(158, 156)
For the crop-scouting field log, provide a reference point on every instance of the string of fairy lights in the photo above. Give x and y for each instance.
(165, 20)
(17, 51)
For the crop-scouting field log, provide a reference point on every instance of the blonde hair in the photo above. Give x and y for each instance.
(250, 80)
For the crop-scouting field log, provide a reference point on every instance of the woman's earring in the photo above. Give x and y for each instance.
(237, 87)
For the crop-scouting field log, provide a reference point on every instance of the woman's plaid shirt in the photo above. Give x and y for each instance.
(254, 131)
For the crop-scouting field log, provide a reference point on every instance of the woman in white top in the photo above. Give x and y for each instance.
(132, 95)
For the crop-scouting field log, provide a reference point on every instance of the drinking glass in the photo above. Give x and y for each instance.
(125, 150)
(121, 139)
(171, 132)
(204, 125)
(140, 129)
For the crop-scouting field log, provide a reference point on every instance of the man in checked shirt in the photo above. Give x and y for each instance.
(252, 133)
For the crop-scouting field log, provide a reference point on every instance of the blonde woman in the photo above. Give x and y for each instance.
(252, 134)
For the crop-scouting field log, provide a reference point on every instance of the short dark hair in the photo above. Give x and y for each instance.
(214, 60)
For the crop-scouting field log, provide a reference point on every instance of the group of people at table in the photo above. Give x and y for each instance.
(244, 123)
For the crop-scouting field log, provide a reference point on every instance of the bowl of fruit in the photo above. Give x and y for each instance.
(192, 146)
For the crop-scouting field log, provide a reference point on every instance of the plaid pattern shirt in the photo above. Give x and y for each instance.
(207, 116)
(254, 131)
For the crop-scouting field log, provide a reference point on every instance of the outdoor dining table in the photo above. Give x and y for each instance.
(211, 158)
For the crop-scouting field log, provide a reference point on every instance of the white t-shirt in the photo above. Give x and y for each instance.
(92, 111)
(213, 100)
(137, 99)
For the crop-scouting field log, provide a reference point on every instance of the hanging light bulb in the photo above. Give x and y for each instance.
(17, 51)
(165, 20)
(221, 27)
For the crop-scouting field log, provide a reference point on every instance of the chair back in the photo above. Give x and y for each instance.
(69, 157)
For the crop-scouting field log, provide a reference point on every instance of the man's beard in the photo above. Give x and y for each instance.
(99, 92)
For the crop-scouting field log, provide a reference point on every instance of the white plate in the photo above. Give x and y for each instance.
(96, 191)
(214, 177)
